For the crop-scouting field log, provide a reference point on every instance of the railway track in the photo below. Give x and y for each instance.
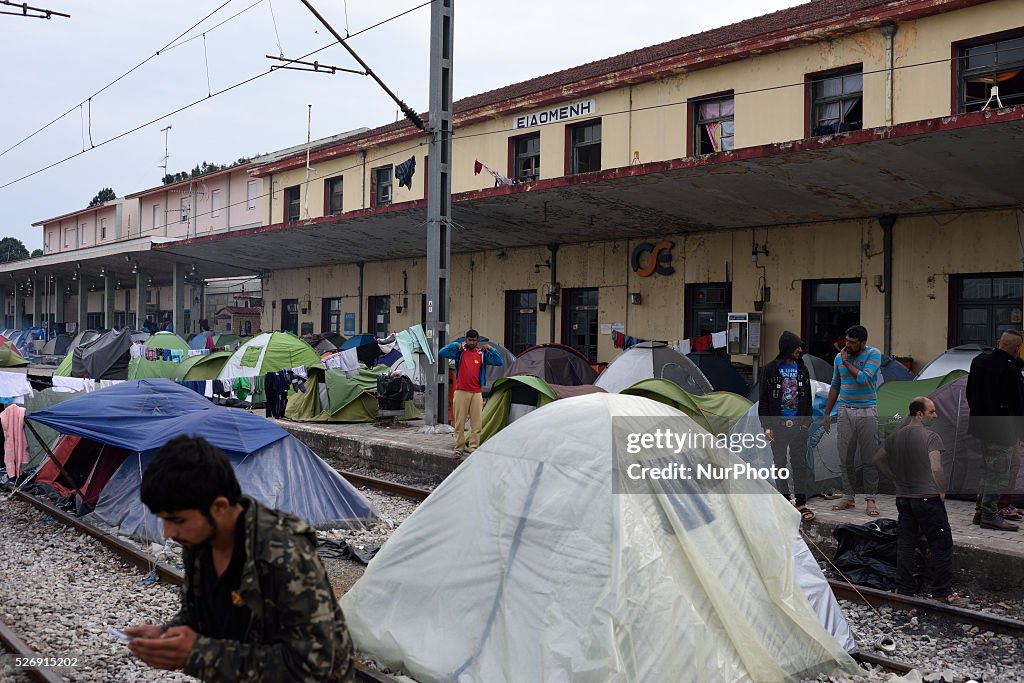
(873, 597)
(15, 647)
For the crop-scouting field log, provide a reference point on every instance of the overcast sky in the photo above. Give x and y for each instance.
(52, 66)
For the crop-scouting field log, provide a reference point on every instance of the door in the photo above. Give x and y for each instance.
(379, 324)
(708, 307)
(290, 315)
(831, 306)
(580, 322)
(520, 320)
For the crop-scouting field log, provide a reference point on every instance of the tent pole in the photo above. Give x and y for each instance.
(53, 457)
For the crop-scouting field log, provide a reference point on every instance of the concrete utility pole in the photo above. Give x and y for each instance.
(439, 205)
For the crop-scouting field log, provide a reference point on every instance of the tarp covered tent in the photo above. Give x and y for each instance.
(571, 582)
(34, 403)
(720, 372)
(892, 370)
(555, 364)
(268, 352)
(64, 367)
(113, 434)
(199, 340)
(166, 340)
(333, 396)
(961, 459)
(956, 358)
(717, 412)
(319, 343)
(104, 356)
(517, 395)
(652, 359)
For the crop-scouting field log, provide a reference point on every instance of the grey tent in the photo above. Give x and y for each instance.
(652, 359)
(820, 369)
(103, 357)
(58, 346)
(555, 364)
(956, 358)
(962, 456)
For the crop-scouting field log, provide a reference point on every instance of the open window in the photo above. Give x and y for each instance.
(990, 74)
(837, 101)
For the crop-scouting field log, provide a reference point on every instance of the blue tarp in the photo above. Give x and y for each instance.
(199, 341)
(358, 340)
(142, 415)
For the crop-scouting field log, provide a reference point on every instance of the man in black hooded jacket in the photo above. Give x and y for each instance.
(786, 409)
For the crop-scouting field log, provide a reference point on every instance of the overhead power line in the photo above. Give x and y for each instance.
(194, 103)
(25, 9)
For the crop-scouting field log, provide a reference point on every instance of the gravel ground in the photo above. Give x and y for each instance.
(423, 482)
(63, 590)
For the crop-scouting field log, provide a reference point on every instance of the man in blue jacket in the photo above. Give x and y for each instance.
(471, 361)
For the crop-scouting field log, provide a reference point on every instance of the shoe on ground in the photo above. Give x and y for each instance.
(1011, 513)
(831, 494)
(956, 600)
(997, 523)
(977, 518)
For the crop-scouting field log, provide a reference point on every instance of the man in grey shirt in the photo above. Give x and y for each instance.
(912, 459)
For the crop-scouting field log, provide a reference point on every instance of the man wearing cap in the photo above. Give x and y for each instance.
(785, 409)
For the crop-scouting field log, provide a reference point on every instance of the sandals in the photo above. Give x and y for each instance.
(957, 600)
(844, 505)
(872, 509)
(806, 513)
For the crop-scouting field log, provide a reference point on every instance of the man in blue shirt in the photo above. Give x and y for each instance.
(853, 387)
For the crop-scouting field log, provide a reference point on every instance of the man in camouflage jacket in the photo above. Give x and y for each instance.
(279, 622)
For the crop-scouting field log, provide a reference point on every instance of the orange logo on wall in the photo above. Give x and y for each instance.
(660, 259)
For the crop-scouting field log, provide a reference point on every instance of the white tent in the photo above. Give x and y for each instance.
(525, 566)
(652, 359)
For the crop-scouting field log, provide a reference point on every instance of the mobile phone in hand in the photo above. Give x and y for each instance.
(119, 634)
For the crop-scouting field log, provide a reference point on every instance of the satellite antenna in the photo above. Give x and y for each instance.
(166, 155)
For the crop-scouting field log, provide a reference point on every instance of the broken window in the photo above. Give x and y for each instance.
(585, 140)
(526, 149)
(837, 102)
(993, 70)
(713, 130)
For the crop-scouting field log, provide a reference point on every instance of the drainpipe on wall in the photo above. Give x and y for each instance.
(362, 157)
(887, 223)
(270, 199)
(553, 248)
(889, 32)
(361, 265)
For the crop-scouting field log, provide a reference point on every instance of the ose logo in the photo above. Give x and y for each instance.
(660, 259)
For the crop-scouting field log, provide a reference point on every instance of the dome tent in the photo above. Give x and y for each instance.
(268, 352)
(636, 591)
(652, 359)
(110, 436)
(555, 364)
(166, 340)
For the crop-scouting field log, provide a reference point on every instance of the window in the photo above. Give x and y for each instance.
(333, 187)
(520, 319)
(986, 306)
(157, 222)
(331, 316)
(579, 329)
(585, 145)
(713, 125)
(526, 158)
(103, 228)
(837, 102)
(291, 204)
(382, 186)
(81, 235)
(379, 308)
(250, 195)
(94, 321)
(707, 308)
(67, 239)
(215, 203)
(184, 209)
(832, 306)
(982, 67)
(290, 315)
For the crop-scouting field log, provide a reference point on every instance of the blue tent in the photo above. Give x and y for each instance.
(139, 416)
(357, 341)
(892, 370)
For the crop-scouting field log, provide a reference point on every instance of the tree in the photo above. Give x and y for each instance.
(104, 195)
(36, 252)
(12, 249)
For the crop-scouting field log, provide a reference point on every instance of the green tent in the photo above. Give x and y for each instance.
(63, 368)
(268, 352)
(38, 401)
(140, 368)
(205, 366)
(166, 340)
(9, 356)
(500, 409)
(224, 339)
(717, 412)
(894, 398)
(332, 396)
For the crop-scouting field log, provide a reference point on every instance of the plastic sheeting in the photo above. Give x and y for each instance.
(285, 475)
(102, 357)
(524, 566)
(142, 415)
